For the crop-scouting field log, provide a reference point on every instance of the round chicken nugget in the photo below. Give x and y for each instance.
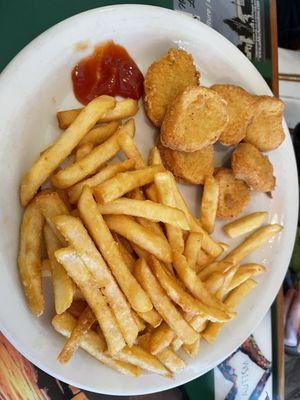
(188, 167)
(165, 79)
(240, 111)
(234, 194)
(195, 119)
(250, 165)
(265, 131)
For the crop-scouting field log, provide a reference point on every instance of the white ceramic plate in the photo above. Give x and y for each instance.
(37, 84)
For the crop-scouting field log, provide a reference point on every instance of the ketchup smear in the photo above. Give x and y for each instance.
(108, 70)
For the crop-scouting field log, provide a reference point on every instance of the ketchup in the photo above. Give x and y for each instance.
(108, 70)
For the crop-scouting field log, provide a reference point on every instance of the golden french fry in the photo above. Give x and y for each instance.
(227, 282)
(141, 326)
(209, 204)
(127, 256)
(63, 286)
(123, 183)
(105, 173)
(214, 282)
(151, 193)
(245, 224)
(192, 349)
(181, 297)
(77, 236)
(123, 109)
(83, 324)
(136, 233)
(163, 304)
(83, 150)
(161, 338)
(45, 268)
(171, 360)
(192, 247)
(105, 242)
(62, 147)
(154, 157)
(203, 259)
(89, 164)
(252, 242)
(151, 317)
(130, 150)
(100, 133)
(63, 194)
(176, 343)
(245, 272)
(224, 246)
(217, 266)
(76, 269)
(163, 186)
(29, 257)
(92, 343)
(146, 209)
(232, 301)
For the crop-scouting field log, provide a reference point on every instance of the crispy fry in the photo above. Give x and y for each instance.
(83, 151)
(100, 133)
(92, 343)
(123, 183)
(62, 147)
(89, 164)
(232, 301)
(151, 193)
(163, 304)
(161, 338)
(80, 274)
(130, 150)
(127, 256)
(245, 224)
(163, 186)
(83, 324)
(146, 209)
(123, 109)
(203, 260)
(136, 233)
(63, 194)
(74, 231)
(192, 349)
(29, 258)
(105, 173)
(171, 360)
(105, 242)
(176, 343)
(245, 272)
(209, 204)
(45, 268)
(192, 247)
(252, 242)
(154, 157)
(138, 320)
(63, 285)
(217, 266)
(151, 317)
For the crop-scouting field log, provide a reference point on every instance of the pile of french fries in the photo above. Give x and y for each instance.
(137, 278)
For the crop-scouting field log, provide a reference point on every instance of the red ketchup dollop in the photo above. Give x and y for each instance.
(108, 70)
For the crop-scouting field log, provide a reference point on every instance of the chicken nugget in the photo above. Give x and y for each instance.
(240, 111)
(250, 165)
(265, 131)
(234, 194)
(188, 167)
(165, 79)
(195, 119)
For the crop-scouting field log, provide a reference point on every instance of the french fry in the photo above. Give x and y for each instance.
(76, 269)
(130, 150)
(105, 242)
(151, 193)
(221, 293)
(160, 338)
(209, 204)
(139, 322)
(146, 209)
(63, 285)
(252, 242)
(100, 133)
(163, 304)
(77, 295)
(136, 233)
(92, 343)
(45, 268)
(195, 285)
(154, 157)
(77, 236)
(192, 349)
(83, 150)
(89, 164)
(245, 224)
(171, 360)
(123, 109)
(203, 260)
(29, 257)
(123, 183)
(151, 317)
(245, 272)
(181, 297)
(232, 301)
(127, 256)
(163, 186)
(62, 147)
(176, 343)
(104, 174)
(217, 266)
(63, 194)
(83, 324)
(192, 247)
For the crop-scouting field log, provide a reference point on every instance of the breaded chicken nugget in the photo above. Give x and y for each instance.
(195, 119)
(265, 131)
(240, 111)
(250, 165)
(189, 167)
(165, 79)
(233, 194)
